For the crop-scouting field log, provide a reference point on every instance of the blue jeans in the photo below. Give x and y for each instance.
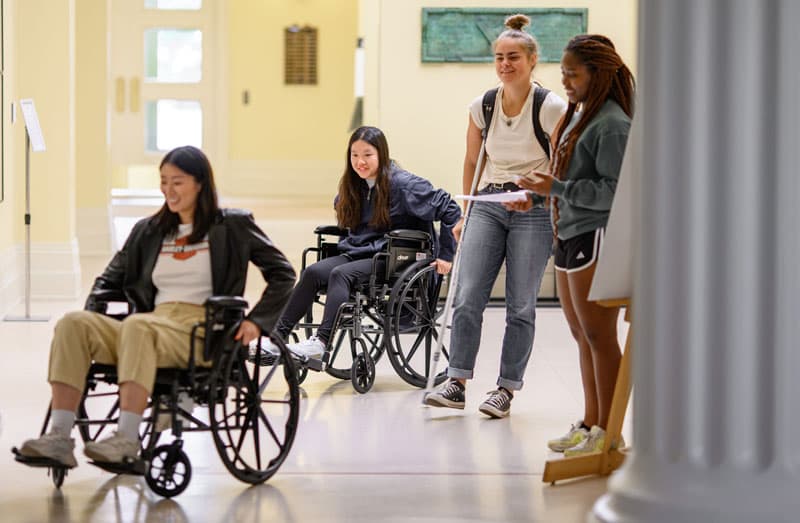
(523, 240)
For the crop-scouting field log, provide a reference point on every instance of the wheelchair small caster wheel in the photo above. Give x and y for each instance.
(362, 373)
(302, 373)
(169, 472)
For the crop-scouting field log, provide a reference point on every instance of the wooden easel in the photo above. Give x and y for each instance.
(608, 460)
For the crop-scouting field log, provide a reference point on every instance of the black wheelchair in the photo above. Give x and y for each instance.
(398, 312)
(252, 411)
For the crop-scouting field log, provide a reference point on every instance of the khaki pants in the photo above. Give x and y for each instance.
(137, 345)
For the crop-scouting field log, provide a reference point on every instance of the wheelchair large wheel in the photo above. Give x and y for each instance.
(413, 324)
(344, 347)
(254, 412)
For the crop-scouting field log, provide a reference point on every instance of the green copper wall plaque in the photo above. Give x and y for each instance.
(466, 35)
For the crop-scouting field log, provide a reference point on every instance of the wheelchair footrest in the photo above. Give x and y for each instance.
(314, 364)
(38, 461)
(135, 467)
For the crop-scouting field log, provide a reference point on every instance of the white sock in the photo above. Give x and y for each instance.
(129, 425)
(61, 422)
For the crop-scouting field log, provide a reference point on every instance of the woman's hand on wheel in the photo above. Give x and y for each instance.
(442, 267)
(248, 331)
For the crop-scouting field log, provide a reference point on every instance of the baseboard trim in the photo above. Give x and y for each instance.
(55, 273)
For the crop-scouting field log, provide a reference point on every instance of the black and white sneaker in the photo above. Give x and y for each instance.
(498, 405)
(450, 394)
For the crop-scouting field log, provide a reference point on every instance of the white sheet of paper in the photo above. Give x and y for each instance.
(32, 124)
(500, 197)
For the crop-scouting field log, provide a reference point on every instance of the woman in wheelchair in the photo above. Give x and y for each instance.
(375, 196)
(170, 264)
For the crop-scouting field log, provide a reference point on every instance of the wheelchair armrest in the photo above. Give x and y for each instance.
(409, 234)
(330, 229)
(225, 302)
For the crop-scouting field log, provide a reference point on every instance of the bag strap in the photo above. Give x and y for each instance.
(489, 98)
(539, 95)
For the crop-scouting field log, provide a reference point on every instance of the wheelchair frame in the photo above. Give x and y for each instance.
(401, 305)
(235, 391)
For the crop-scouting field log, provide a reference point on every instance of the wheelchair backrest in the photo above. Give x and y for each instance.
(223, 313)
(405, 247)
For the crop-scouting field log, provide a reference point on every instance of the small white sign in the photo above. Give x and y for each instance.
(32, 124)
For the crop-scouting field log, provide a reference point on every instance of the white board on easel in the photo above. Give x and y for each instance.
(32, 124)
(613, 278)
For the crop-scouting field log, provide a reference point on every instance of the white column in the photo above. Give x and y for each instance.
(717, 299)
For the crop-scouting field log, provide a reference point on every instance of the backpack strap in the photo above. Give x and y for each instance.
(539, 95)
(489, 98)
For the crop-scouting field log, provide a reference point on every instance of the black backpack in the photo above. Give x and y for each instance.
(539, 94)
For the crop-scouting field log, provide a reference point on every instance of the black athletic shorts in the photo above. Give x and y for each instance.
(580, 252)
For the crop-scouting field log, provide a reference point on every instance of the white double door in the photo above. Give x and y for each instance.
(161, 83)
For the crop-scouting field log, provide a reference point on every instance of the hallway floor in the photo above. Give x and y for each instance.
(380, 456)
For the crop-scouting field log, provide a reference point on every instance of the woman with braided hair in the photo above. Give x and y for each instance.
(589, 144)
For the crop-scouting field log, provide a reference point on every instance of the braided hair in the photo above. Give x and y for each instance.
(610, 78)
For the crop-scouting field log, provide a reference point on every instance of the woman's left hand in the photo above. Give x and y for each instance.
(442, 267)
(538, 182)
(248, 331)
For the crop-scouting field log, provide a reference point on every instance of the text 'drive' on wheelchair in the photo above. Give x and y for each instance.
(251, 411)
(398, 311)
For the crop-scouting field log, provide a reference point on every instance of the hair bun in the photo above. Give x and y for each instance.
(517, 22)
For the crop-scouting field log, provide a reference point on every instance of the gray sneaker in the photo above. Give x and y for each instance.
(52, 446)
(114, 449)
(498, 405)
(449, 394)
(264, 355)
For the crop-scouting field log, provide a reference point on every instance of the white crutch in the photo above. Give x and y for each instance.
(451, 289)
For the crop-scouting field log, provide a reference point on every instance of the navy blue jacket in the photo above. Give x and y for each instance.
(413, 204)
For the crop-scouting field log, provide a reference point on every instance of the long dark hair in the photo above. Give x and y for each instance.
(611, 78)
(193, 162)
(348, 206)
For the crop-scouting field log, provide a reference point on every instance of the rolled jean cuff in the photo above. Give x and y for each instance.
(460, 373)
(509, 384)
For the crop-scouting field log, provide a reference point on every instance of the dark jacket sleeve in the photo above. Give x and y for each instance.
(430, 204)
(276, 269)
(113, 276)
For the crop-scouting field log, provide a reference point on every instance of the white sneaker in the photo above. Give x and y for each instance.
(594, 442)
(113, 449)
(266, 354)
(53, 446)
(574, 436)
(313, 347)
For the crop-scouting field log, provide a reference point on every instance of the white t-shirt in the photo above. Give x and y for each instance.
(183, 272)
(511, 146)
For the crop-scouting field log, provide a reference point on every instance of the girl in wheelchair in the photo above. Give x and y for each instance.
(170, 264)
(375, 196)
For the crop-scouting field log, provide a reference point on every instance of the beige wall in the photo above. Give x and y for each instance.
(9, 214)
(289, 140)
(423, 107)
(45, 65)
(92, 156)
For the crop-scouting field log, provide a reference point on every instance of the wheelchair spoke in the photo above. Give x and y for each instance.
(250, 403)
(269, 428)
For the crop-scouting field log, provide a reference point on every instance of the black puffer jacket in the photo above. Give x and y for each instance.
(234, 239)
